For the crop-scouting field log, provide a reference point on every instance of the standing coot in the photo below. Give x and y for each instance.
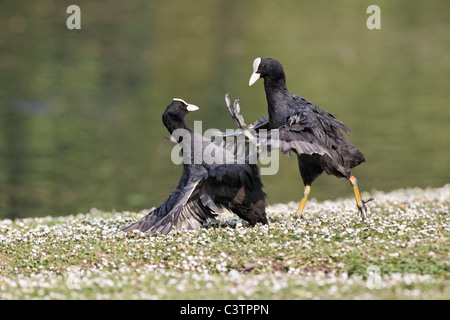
(204, 187)
(313, 134)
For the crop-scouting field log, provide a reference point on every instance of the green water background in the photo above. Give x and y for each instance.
(80, 110)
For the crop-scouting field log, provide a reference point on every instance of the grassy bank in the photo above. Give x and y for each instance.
(401, 252)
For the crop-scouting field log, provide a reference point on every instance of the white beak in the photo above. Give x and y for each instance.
(255, 76)
(191, 107)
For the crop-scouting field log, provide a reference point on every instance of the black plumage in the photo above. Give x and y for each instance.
(315, 135)
(204, 187)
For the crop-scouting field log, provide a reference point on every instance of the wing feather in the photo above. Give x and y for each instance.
(182, 210)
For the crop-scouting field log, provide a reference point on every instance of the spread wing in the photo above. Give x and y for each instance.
(300, 136)
(186, 208)
(192, 202)
(311, 130)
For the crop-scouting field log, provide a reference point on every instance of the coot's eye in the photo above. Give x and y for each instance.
(180, 105)
(262, 66)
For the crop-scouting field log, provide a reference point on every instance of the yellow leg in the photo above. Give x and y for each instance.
(359, 202)
(303, 202)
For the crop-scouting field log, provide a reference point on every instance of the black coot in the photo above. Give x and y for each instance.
(313, 134)
(204, 187)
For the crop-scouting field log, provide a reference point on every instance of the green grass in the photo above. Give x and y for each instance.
(402, 252)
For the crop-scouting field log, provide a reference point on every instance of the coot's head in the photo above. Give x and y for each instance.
(173, 117)
(268, 69)
(179, 106)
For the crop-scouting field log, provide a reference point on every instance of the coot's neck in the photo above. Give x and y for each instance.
(276, 94)
(174, 122)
